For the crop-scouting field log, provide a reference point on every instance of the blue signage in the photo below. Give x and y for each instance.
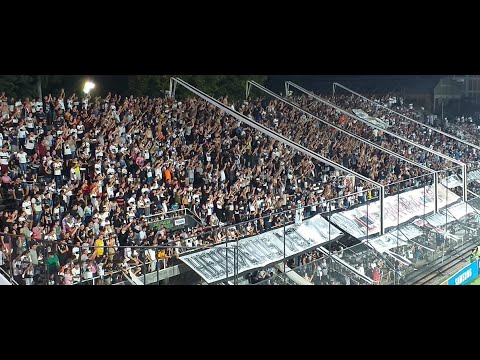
(465, 275)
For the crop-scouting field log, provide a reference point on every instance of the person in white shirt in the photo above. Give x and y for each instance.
(99, 153)
(151, 258)
(30, 144)
(111, 191)
(22, 161)
(98, 167)
(147, 203)
(361, 269)
(3, 257)
(57, 172)
(67, 151)
(4, 157)
(30, 124)
(74, 177)
(141, 206)
(22, 135)
(110, 171)
(27, 206)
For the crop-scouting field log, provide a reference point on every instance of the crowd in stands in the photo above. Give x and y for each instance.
(82, 174)
(415, 132)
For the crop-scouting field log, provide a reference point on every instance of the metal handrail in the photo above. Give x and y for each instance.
(310, 93)
(275, 135)
(8, 277)
(331, 125)
(409, 119)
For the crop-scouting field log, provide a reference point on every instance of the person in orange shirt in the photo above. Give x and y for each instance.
(168, 176)
(160, 135)
(161, 255)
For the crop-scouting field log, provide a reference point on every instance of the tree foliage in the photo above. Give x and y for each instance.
(215, 85)
(138, 85)
(22, 86)
(18, 85)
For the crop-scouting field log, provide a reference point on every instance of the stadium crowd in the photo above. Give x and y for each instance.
(83, 173)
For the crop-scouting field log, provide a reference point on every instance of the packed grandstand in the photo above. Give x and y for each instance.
(89, 184)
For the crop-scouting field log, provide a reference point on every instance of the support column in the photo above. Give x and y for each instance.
(435, 192)
(464, 176)
(173, 86)
(382, 198)
(247, 90)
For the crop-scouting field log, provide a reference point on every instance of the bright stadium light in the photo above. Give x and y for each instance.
(88, 86)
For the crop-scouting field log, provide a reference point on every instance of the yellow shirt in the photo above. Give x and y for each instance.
(99, 247)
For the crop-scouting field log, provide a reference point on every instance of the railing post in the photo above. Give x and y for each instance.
(464, 176)
(284, 243)
(45, 262)
(287, 88)
(330, 226)
(368, 242)
(235, 265)
(435, 192)
(226, 258)
(382, 198)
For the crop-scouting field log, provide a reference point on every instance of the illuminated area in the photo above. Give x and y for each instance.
(88, 87)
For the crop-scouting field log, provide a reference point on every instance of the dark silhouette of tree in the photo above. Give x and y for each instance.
(215, 85)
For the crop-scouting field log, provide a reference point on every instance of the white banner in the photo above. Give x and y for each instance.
(318, 229)
(3, 280)
(372, 120)
(460, 210)
(386, 242)
(473, 175)
(397, 210)
(394, 238)
(452, 181)
(259, 251)
(444, 217)
(456, 180)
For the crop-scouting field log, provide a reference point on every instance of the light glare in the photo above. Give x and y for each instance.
(88, 86)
